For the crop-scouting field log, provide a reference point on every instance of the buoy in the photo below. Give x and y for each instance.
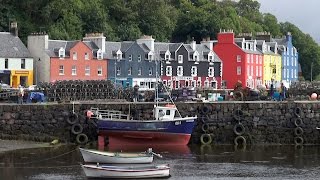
(314, 96)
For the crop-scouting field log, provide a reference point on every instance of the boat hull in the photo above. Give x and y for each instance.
(93, 171)
(112, 158)
(141, 132)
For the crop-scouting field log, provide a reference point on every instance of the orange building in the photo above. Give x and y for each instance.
(67, 60)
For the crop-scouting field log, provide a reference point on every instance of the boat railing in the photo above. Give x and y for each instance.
(110, 114)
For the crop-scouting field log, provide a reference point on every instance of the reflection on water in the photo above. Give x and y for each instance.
(193, 162)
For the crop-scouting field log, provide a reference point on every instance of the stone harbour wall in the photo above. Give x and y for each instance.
(229, 122)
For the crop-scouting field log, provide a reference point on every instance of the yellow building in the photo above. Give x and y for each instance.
(272, 69)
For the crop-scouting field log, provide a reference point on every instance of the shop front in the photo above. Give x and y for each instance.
(21, 77)
(5, 76)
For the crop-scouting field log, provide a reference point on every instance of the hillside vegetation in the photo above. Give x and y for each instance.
(166, 20)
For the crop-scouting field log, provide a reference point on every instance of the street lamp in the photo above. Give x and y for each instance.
(37, 73)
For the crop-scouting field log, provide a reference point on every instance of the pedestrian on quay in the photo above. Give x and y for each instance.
(20, 94)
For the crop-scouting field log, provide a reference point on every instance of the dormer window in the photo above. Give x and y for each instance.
(61, 53)
(119, 55)
(74, 56)
(86, 56)
(167, 57)
(180, 59)
(99, 54)
(150, 57)
(210, 58)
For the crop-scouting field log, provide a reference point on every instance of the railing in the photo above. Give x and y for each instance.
(109, 114)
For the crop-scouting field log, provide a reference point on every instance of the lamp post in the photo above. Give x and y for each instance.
(37, 73)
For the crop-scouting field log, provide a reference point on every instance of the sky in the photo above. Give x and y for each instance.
(302, 13)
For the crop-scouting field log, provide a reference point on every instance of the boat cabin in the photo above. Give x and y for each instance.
(166, 112)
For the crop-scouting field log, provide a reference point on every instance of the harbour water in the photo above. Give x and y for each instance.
(192, 162)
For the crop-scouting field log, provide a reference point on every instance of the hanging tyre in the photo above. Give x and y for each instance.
(239, 129)
(205, 110)
(206, 139)
(76, 129)
(205, 127)
(298, 131)
(298, 140)
(298, 122)
(73, 118)
(240, 140)
(82, 139)
(297, 111)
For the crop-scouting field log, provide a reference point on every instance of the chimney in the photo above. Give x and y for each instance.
(264, 36)
(14, 28)
(148, 41)
(98, 39)
(225, 37)
(289, 37)
(193, 44)
(207, 42)
(246, 36)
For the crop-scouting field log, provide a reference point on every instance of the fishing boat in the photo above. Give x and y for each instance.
(117, 157)
(167, 127)
(126, 171)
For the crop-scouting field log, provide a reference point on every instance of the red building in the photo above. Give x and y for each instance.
(68, 60)
(241, 60)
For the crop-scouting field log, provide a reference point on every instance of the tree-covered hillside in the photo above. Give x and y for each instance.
(166, 20)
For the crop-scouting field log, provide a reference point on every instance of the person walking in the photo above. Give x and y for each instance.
(283, 90)
(20, 94)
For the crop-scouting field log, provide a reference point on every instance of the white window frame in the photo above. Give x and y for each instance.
(87, 70)
(284, 61)
(251, 70)
(139, 71)
(194, 71)
(260, 59)
(129, 71)
(180, 59)
(61, 70)
(238, 58)
(284, 73)
(251, 58)
(248, 58)
(167, 57)
(238, 70)
(150, 71)
(169, 71)
(139, 58)
(248, 70)
(211, 71)
(86, 56)
(257, 70)
(130, 57)
(180, 71)
(100, 71)
(260, 71)
(210, 58)
(257, 59)
(74, 70)
(118, 71)
(74, 55)
(62, 53)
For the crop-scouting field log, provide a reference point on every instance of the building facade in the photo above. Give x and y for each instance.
(241, 60)
(290, 59)
(16, 67)
(67, 60)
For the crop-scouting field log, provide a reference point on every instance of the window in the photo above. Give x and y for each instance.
(210, 58)
(99, 54)
(139, 71)
(139, 58)
(167, 57)
(61, 70)
(180, 59)
(168, 71)
(118, 71)
(251, 58)
(130, 57)
(248, 58)
(194, 71)
(169, 83)
(257, 70)
(61, 53)
(206, 84)
(295, 73)
(284, 73)
(274, 70)
(74, 55)
(257, 59)
(86, 56)
(150, 57)
(130, 71)
(23, 63)
(288, 64)
(74, 70)
(238, 58)
(214, 84)
(177, 84)
(100, 71)
(196, 58)
(87, 71)
(211, 71)
(179, 71)
(284, 61)
(260, 59)
(260, 72)
(292, 61)
(150, 71)
(248, 70)
(251, 71)
(239, 70)
(6, 63)
(199, 83)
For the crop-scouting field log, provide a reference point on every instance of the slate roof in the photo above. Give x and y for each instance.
(12, 47)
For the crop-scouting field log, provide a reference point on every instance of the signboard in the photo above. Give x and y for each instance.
(21, 72)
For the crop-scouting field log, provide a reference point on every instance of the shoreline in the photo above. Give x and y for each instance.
(11, 145)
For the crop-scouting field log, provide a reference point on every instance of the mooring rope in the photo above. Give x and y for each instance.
(47, 159)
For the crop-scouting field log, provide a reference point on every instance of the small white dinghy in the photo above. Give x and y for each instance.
(117, 157)
(126, 171)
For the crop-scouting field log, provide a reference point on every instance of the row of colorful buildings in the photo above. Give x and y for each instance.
(208, 64)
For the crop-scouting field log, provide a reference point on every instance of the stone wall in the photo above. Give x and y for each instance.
(257, 122)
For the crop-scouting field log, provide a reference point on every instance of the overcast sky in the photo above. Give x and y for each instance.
(304, 14)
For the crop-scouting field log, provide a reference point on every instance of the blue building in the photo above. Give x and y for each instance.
(290, 62)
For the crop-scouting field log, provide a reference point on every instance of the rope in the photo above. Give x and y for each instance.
(48, 158)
